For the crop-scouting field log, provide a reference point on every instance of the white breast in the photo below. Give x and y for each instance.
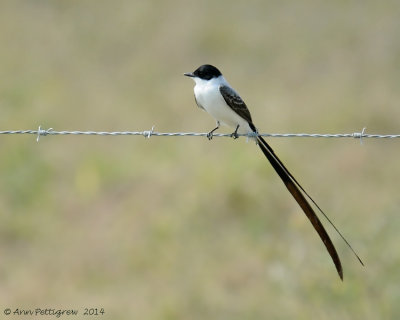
(209, 97)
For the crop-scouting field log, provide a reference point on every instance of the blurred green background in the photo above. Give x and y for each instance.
(184, 228)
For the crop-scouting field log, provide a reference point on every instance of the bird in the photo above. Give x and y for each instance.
(214, 95)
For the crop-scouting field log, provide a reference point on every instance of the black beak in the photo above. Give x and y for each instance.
(189, 74)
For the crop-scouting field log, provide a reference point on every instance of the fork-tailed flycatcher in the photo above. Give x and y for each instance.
(213, 94)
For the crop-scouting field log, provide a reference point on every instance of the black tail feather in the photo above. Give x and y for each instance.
(270, 150)
(295, 189)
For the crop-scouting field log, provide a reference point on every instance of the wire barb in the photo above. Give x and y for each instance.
(41, 132)
(362, 135)
(148, 134)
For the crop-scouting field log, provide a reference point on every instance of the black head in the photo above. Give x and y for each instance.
(206, 72)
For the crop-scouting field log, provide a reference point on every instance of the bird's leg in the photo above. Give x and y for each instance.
(234, 134)
(210, 134)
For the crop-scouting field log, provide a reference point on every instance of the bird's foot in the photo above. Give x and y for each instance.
(211, 133)
(234, 134)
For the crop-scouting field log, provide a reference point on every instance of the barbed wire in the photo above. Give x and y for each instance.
(150, 133)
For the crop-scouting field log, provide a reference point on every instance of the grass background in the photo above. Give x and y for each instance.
(181, 228)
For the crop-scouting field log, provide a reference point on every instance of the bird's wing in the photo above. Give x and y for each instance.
(235, 102)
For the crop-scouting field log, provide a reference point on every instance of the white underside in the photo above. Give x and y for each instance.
(209, 97)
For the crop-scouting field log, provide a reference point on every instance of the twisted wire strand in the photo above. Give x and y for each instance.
(150, 133)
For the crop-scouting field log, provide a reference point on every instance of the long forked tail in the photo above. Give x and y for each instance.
(293, 187)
